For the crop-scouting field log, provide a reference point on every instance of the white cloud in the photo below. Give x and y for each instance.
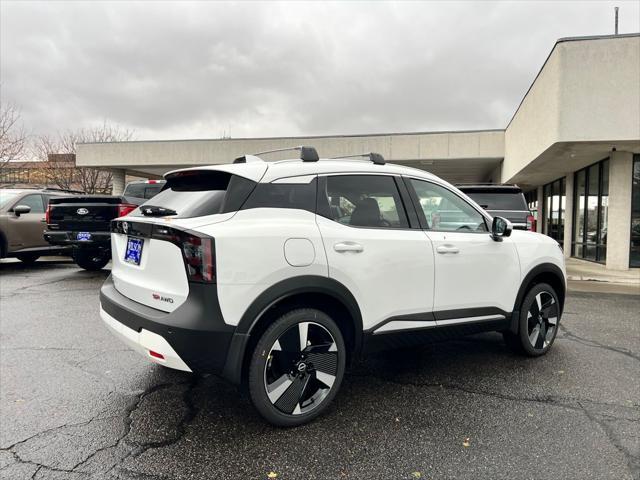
(198, 70)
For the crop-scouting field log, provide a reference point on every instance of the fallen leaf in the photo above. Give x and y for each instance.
(272, 475)
(397, 419)
(416, 474)
(467, 442)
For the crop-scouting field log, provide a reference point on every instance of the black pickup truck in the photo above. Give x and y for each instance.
(83, 222)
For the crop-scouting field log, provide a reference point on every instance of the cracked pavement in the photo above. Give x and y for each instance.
(76, 404)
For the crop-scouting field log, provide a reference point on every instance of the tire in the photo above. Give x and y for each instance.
(90, 260)
(537, 327)
(290, 386)
(28, 258)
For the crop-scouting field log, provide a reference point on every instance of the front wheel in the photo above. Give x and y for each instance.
(297, 367)
(91, 260)
(538, 325)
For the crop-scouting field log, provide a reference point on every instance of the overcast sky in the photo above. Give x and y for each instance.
(204, 69)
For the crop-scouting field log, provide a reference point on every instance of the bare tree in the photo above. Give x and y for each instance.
(58, 168)
(12, 136)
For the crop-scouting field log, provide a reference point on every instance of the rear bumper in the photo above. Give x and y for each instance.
(64, 238)
(194, 336)
(145, 342)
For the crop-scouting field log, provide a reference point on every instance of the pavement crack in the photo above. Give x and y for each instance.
(181, 428)
(561, 402)
(569, 335)
(138, 449)
(633, 461)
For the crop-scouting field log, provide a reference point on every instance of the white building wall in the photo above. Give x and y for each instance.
(619, 216)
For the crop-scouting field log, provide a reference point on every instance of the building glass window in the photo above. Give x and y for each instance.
(553, 209)
(634, 253)
(591, 207)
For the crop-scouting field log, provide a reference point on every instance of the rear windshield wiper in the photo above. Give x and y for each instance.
(153, 211)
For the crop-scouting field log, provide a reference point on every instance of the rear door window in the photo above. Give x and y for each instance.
(196, 193)
(363, 201)
(301, 196)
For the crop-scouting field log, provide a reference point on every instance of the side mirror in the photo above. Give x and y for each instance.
(501, 227)
(20, 209)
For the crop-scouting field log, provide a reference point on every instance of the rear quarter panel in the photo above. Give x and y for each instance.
(250, 254)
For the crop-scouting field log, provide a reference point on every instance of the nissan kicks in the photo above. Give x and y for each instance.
(276, 275)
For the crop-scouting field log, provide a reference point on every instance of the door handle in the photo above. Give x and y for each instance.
(348, 247)
(447, 249)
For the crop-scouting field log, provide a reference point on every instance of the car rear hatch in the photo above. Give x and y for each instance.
(157, 250)
(83, 213)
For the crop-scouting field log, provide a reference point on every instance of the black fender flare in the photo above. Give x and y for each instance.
(548, 268)
(276, 293)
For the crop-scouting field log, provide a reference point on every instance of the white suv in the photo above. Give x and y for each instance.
(276, 275)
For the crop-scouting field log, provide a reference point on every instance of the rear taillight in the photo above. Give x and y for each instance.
(198, 257)
(531, 223)
(47, 215)
(198, 252)
(125, 209)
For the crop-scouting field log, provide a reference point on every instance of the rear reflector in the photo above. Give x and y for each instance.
(156, 354)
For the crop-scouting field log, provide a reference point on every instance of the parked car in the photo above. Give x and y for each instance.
(22, 223)
(503, 200)
(82, 222)
(276, 275)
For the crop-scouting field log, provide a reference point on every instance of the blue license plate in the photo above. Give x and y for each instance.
(133, 254)
(83, 236)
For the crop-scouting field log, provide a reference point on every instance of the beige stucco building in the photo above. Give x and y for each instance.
(573, 144)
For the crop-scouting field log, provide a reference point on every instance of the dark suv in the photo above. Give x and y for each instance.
(503, 201)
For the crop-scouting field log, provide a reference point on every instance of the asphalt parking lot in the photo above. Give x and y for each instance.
(76, 404)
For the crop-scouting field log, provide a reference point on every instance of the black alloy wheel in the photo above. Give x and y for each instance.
(539, 319)
(297, 367)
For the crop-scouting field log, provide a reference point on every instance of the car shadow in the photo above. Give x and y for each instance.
(15, 265)
(210, 402)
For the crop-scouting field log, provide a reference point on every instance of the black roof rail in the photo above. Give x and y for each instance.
(374, 157)
(488, 184)
(307, 154)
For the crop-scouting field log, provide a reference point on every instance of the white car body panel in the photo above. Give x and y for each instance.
(250, 254)
(484, 273)
(161, 273)
(536, 249)
(391, 276)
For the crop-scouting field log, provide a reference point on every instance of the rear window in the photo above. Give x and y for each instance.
(199, 193)
(499, 200)
(143, 190)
